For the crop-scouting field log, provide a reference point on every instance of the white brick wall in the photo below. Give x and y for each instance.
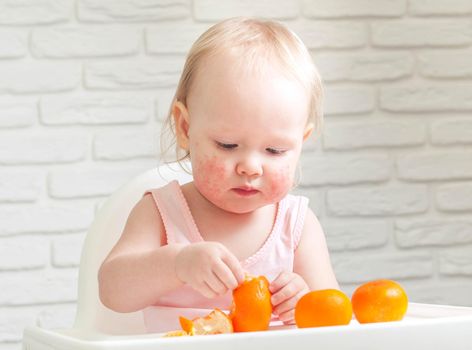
(85, 85)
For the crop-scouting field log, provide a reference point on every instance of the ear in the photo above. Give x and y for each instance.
(308, 131)
(180, 114)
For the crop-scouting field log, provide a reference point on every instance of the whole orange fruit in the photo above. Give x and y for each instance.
(251, 310)
(327, 307)
(379, 301)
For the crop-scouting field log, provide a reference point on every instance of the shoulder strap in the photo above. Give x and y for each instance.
(176, 216)
(296, 210)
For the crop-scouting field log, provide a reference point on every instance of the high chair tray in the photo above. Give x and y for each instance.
(424, 327)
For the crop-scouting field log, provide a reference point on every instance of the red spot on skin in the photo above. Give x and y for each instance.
(281, 181)
(210, 175)
(215, 177)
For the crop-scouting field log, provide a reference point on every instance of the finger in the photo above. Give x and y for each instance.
(285, 306)
(205, 290)
(288, 317)
(215, 284)
(287, 292)
(281, 281)
(226, 276)
(235, 267)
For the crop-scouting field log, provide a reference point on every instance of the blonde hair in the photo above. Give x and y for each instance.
(259, 40)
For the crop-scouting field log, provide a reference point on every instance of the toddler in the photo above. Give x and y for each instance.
(248, 98)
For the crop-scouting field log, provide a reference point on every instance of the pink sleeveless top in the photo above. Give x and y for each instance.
(275, 255)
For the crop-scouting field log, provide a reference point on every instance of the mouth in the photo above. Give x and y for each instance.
(245, 191)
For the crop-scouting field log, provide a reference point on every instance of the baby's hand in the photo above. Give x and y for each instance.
(209, 268)
(286, 290)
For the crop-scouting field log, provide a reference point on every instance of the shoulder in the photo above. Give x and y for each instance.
(145, 205)
(144, 219)
(143, 230)
(311, 223)
(294, 210)
(312, 234)
(310, 231)
(296, 205)
(309, 227)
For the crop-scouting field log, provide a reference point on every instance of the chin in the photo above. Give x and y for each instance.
(238, 206)
(240, 209)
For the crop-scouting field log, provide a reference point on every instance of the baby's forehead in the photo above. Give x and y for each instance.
(242, 62)
(244, 59)
(227, 86)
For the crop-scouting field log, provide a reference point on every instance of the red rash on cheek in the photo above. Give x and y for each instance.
(281, 183)
(211, 173)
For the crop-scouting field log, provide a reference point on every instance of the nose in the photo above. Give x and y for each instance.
(249, 166)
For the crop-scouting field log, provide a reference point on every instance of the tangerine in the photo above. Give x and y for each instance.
(379, 301)
(251, 310)
(327, 307)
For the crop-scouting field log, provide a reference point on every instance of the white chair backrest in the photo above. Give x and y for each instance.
(92, 316)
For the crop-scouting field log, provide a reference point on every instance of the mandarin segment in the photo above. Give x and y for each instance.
(320, 308)
(252, 309)
(379, 301)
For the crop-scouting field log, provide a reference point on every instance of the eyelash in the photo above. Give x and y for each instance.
(275, 151)
(231, 146)
(227, 146)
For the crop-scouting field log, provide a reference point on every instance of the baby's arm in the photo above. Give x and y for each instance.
(312, 271)
(140, 267)
(312, 260)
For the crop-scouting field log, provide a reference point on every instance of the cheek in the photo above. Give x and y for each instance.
(281, 182)
(210, 172)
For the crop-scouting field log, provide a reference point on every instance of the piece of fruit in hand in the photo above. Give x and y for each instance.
(251, 310)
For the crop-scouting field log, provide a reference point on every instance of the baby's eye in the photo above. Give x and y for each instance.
(272, 150)
(226, 145)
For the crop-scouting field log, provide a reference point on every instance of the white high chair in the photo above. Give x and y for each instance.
(96, 327)
(101, 237)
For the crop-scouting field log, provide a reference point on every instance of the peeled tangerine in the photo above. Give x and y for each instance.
(216, 322)
(251, 310)
(379, 301)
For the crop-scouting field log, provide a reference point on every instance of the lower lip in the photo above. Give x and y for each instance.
(245, 193)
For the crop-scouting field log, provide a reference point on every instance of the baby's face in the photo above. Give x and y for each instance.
(245, 135)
